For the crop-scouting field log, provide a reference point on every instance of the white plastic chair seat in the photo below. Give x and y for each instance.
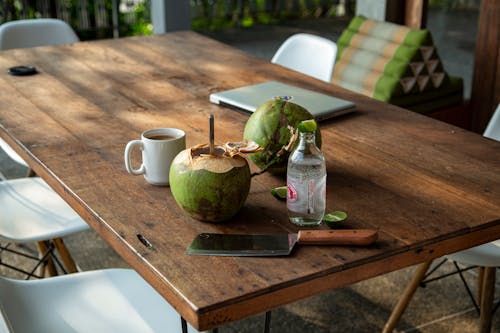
(35, 32)
(308, 54)
(486, 255)
(12, 154)
(492, 131)
(31, 211)
(111, 300)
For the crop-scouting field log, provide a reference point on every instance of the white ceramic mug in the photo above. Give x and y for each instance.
(159, 147)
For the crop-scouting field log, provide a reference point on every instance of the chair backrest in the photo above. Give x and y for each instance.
(492, 131)
(35, 32)
(308, 54)
(111, 300)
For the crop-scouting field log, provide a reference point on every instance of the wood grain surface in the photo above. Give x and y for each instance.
(427, 187)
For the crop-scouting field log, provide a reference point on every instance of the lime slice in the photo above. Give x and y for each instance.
(307, 126)
(335, 219)
(279, 192)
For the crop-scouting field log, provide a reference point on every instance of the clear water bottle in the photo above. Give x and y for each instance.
(306, 181)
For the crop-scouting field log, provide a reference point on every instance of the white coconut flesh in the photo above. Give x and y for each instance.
(244, 147)
(199, 158)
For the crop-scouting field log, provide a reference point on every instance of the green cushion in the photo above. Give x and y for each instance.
(388, 62)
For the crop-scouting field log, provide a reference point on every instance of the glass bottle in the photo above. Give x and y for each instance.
(306, 182)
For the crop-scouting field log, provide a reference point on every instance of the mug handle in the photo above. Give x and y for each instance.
(128, 163)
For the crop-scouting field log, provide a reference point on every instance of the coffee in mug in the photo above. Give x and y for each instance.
(161, 137)
(159, 147)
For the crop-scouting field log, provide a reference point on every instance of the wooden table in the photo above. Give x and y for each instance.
(429, 188)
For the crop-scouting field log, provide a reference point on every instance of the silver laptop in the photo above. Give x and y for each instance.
(249, 98)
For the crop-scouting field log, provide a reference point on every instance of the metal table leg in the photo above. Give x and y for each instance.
(267, 323)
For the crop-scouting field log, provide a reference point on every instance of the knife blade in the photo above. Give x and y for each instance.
(257, 245)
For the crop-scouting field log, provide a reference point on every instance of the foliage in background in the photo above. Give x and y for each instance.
(94, 18)
(142, 24)
(90, 19)
(214, 15)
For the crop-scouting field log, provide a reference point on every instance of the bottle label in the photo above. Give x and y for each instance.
(303, 194)
(292, 194)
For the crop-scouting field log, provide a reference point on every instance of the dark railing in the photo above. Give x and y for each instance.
(112, 18)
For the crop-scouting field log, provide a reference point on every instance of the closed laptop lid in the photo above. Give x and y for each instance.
(249, 98)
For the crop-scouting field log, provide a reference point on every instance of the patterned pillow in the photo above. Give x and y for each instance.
(387, 61)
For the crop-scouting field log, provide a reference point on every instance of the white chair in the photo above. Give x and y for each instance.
(486, 257)
(30, 210)
(12, 154)
(308, 54)
(36, 32)
(492, 131)
(111, 300)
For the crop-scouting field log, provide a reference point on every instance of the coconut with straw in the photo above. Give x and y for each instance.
(209, 182)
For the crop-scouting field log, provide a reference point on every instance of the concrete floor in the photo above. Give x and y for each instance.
(442, 306)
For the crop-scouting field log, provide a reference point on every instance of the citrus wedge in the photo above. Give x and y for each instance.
(307, 126)
(335, 219)
(279, 192)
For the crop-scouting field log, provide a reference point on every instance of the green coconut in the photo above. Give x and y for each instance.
(273, 126)
(210, 188)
